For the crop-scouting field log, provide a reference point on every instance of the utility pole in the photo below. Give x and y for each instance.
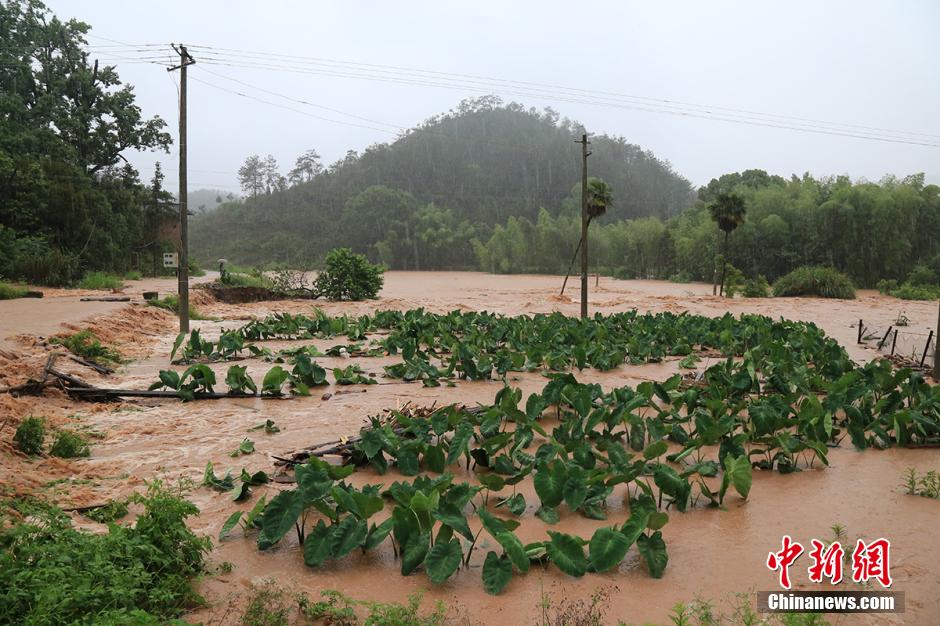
(584, 225)
(936, 350)
(183, 269)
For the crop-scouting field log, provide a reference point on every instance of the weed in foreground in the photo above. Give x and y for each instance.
(29, 435)
(69, 445)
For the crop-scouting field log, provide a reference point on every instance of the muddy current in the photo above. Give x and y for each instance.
(713, 553)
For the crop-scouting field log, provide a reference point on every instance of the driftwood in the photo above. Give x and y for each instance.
(96, 393)
(101, 369)
(106, 299)
(33, 387)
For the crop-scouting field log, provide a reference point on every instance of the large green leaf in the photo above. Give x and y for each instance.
(443, 560)
(280, 515)
(653, 549)
(449, 514)
(550, 483)
(497, 572)
(317, 545)
(607, 548)
(348, 535)
(673, 485)
(575, 487)
(566, 552)
(229, 524)
(414, 552)
(737, 473)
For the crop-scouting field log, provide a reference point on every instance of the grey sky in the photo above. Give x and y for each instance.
(873, 64)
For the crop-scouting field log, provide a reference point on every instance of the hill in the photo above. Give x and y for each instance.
(419, 201)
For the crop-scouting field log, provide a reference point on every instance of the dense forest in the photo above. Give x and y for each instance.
(69, 201)
(868, 231)
(419, 201)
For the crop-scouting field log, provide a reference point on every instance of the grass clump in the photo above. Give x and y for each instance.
(69, 445)
(100, 281)
(86, 344)
(348, 276)
(9, 291)
(927, 485)
(51, 573)
(268, 605)
(29, 435)
(171, 303)
(821, 281)
(681, 277)
(907, 291)
(133, 275)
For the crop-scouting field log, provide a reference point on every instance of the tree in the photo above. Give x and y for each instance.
(273, 180)
(600, 197)
(306, 167)
(728, 211)
(251, 175)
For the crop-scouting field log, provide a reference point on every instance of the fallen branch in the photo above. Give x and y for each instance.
(101, 369)
(106, 299)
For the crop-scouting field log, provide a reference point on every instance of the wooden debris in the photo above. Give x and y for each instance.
(106, 299)
(101, 369)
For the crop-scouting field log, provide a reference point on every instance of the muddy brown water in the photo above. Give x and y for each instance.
(713, 553)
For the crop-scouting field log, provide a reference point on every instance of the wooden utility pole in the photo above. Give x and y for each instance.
(183, 269)
(584, 225)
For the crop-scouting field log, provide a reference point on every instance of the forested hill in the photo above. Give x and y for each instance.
(443, 184)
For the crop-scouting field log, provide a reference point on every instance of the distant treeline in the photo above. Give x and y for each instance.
(441, 185)
(868, 231)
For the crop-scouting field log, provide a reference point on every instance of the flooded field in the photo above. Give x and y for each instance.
(713, 552)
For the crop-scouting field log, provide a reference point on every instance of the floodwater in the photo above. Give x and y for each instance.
(713, 553)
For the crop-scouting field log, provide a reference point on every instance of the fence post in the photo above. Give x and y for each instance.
(923, 357)
(885, 338)
(859, 332)
(895, 342)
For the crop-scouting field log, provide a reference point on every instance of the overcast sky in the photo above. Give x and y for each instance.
(875, 65)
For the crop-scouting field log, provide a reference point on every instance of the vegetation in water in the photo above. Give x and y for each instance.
(824, 282)
(9, 291)
(51, 573)
(172, 303)
(68, 444)
(101, 281)
(30, 435)
(86, 344)
(110, 512)
(926, 485)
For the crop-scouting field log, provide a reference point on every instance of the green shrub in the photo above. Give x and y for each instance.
(100, 281)
(821, 281)
(31, 259)
(681, 277)
(922, 276)
(69, 445)
(734, 281)
(194, 270)
(86, 345)
(10, 292)
(252, 278)
(51, 573)
(908, 291)
(886, 285)
(133, 275)
(624, 273)
(172, 303)
(756, 288)
(110, 512)
(29, 435)
(348, 276)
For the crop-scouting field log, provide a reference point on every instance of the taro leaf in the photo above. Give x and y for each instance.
(566, 552)
(443, 560)
(371, 443)
(459, 443)
(634, 527)
(313, 482)
(548, 514)
(253, 518)
(434, 458)
(367, 505)
(673, 485)
(243, 492)
(607, 549)
(653, 549)
(209, 479)
(550, 483)
(657, 520)
(273, 381)
(377, 534)
(495, 525)
(258, 478)
(737, 473)
(423, 506)
(404, 524)
(348, 535)
(655, 449)
(516, 504)
(247, 446)
(180, 338)
(279, 516)
(449, 514)
(317, 545)
(617, 455)
(497, 572)
(493, 482)
(514, 550)
(414, 551)
(575, 490)
(170, 379)
(407, 461)
(229, 524)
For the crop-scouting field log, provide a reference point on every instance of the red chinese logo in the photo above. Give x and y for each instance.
(869, 561)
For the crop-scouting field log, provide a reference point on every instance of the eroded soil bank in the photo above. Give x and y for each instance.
(712, 552)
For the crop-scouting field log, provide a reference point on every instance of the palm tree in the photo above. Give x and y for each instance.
(600, 197)
(728, 211)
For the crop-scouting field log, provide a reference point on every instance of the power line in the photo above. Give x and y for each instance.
(246, 56)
